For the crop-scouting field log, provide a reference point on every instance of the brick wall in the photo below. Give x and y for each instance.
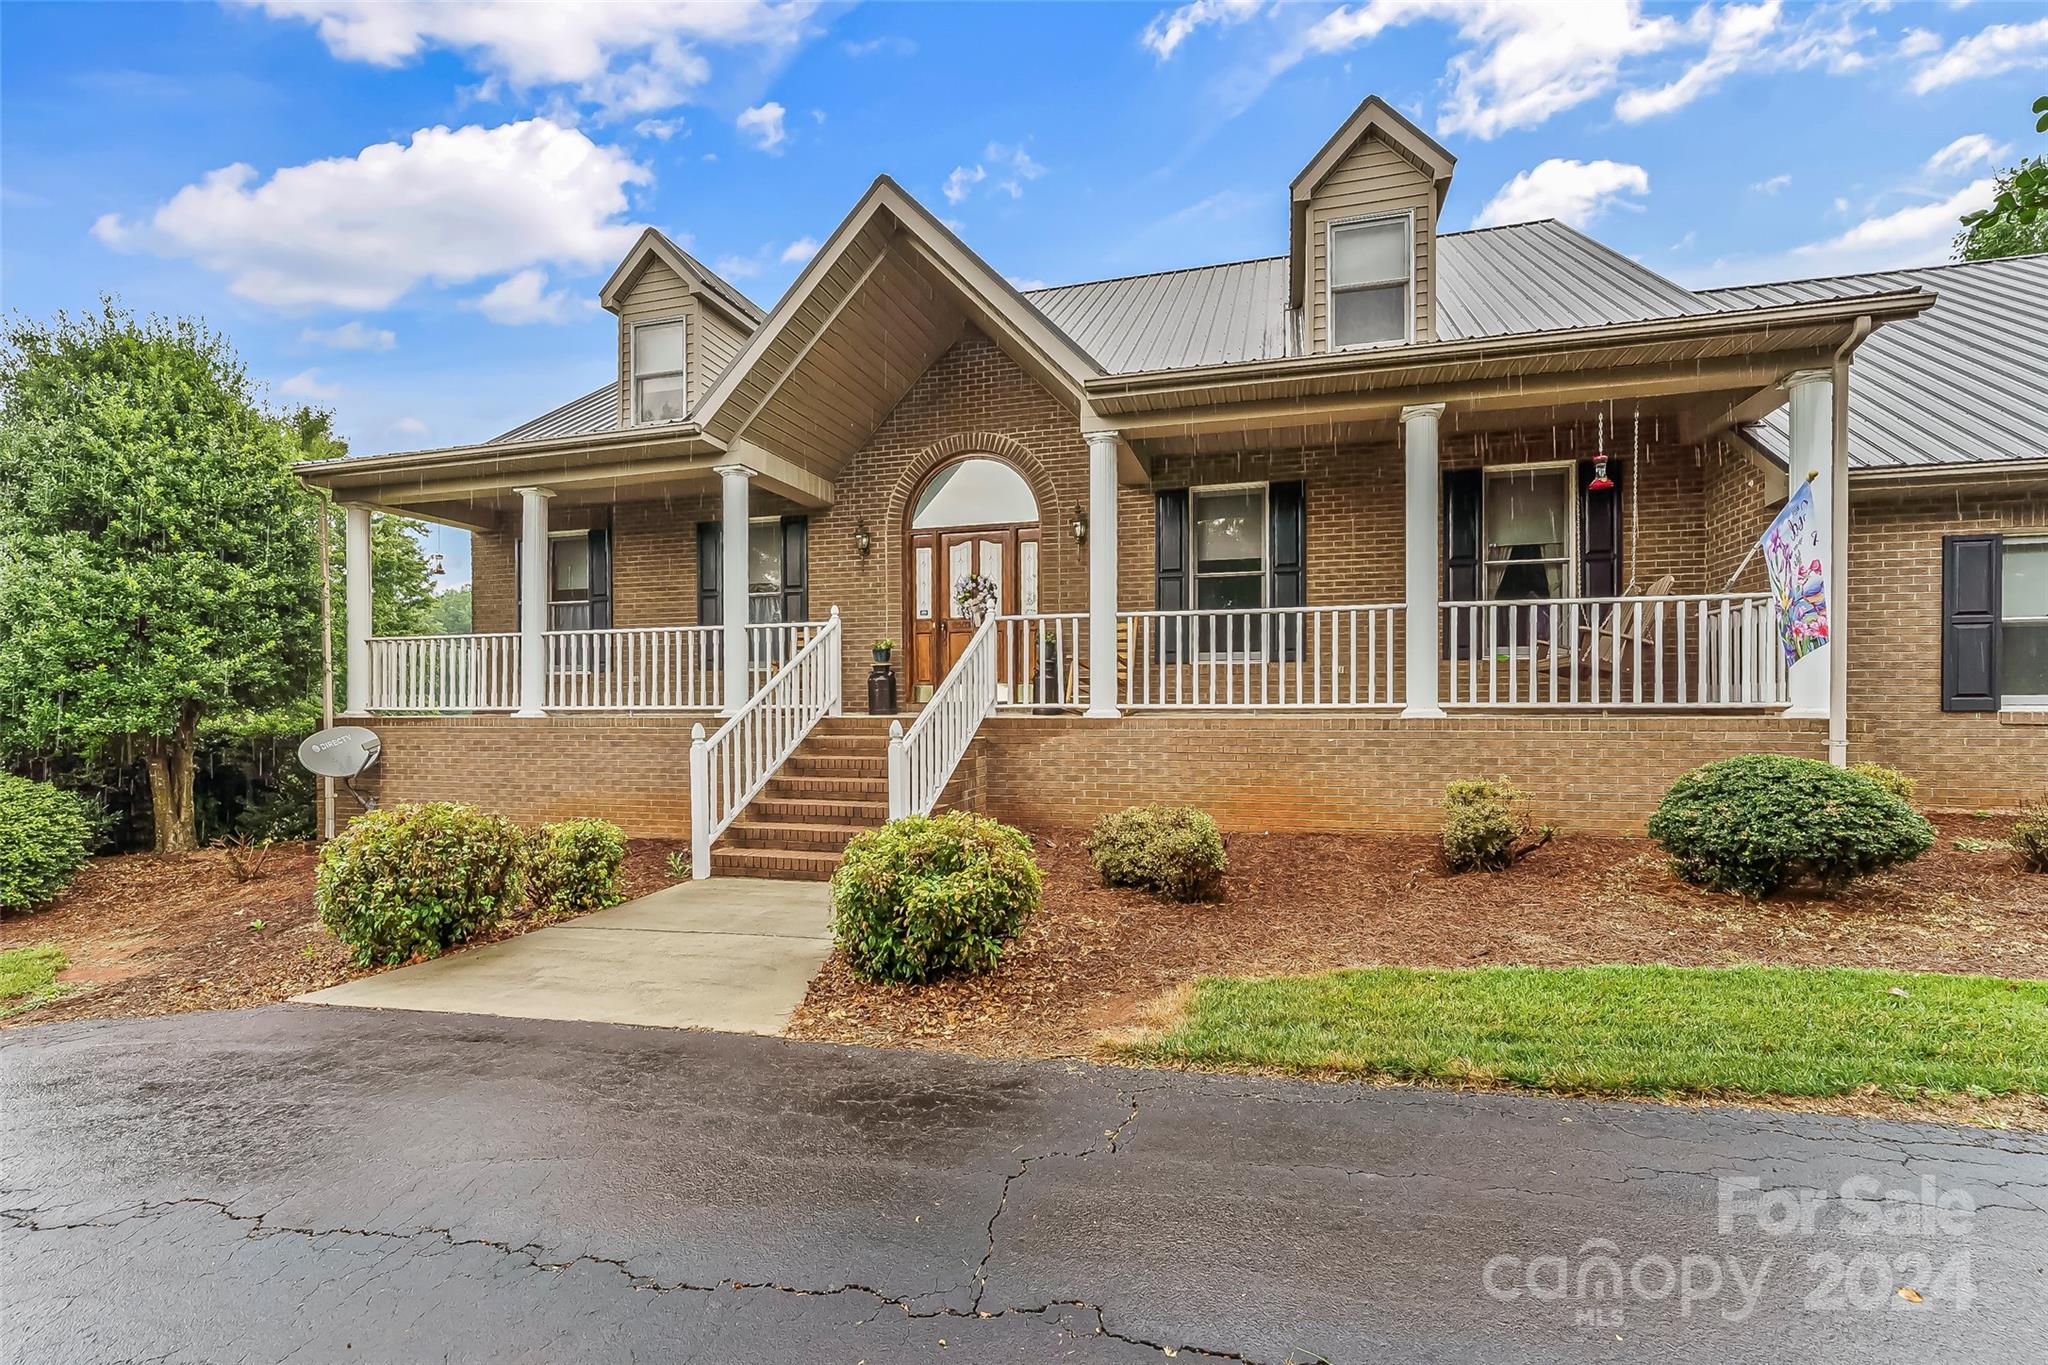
(631, 770)
(1964, 759)
(1356, 772)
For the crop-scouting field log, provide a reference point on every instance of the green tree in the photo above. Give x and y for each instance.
(2016, 224)
(449, 613)
(156, 550)
(401, 585)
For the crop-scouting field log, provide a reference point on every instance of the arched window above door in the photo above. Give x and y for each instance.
(974, 492)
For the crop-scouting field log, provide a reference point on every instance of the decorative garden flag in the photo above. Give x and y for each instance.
(1792, 553)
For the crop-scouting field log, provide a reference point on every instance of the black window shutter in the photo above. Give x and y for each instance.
(1170, 583)
(1970, 608)
(796, 541)
(709, 599)
(1600, 532)
(1286, 570)
(601, 577)
(1464, 572)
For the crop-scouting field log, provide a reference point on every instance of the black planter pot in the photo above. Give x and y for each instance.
(882, 657)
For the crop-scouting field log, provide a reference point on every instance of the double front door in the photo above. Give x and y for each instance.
(935, 564)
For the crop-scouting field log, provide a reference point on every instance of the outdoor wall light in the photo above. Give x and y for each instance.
(862, 541)
(1080, 526)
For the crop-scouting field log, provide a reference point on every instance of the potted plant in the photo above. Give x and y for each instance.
(884, 647)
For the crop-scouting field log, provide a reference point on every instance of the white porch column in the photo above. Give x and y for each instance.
(355, 544)
(1423, 478)
(732, 582)
(533, 600)
(1102, 454)
(1812, 458)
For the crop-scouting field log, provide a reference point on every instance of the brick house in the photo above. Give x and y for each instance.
(1297, 538)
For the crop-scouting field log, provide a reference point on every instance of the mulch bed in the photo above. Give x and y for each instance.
(1096, 959)
(165, 935)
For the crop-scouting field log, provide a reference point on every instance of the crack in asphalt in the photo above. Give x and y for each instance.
(533, 1254)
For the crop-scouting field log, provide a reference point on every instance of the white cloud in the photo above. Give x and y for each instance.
(450, 206)
(962, 181)
(1577, 192)
(625, 57)
(1991, 52)
(1774, 184)
(1919, 235)
(888, 46)
(799, 251)
(1170, 28)
(524, 297)
(660, 129)
(1918, 42)
(763, 126)
(1003, 167)
(351, 336)
(1734, 34)
(1971, 149)
(308, 384)
(1024, 284)
(408, 426)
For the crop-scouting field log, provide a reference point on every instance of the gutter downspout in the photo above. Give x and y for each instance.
(1838, 536)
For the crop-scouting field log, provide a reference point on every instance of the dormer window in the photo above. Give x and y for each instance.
(658, 387)
(1372, 272)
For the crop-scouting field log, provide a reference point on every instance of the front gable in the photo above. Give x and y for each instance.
(660, 283)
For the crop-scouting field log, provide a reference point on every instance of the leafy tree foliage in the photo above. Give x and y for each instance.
(449, 613)
(2016, 224)
(156, 550)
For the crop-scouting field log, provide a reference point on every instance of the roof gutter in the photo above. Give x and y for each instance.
(1872, 308)
(451, 457)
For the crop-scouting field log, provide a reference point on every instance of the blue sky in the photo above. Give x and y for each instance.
(404, 211)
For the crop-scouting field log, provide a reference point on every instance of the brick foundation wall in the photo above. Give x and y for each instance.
(631, 770)
(1356, 772)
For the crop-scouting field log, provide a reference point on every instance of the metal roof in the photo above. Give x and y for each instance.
(588, 415)
(1965, 382)
(1501, 281)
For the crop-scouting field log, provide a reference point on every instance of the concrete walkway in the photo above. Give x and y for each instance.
(732, 954)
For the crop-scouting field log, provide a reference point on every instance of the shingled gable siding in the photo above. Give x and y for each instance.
(1373, 179)
(710, 342)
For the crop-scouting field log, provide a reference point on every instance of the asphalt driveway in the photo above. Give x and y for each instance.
(353, 1185)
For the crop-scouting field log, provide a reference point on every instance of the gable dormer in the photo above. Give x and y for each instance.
(1362, 233)
(680, 325)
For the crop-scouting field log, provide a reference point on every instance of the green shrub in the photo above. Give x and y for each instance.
(927, 896)
(1757, 823)
(573, 866)
(1486, 825)
(1174, 850)
(1891, 779)
(412, 880)
(45, 837)
(2029, 838)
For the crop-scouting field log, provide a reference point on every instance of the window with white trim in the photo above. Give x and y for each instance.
(2023, 623)
(1372, 272)
(568, 580)
(658, 383)
(1530, 532)
(764, 569)
(1228, 527)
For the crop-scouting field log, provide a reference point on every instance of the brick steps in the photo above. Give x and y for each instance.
(835, 786)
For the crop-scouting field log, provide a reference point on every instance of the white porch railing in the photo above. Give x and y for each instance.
(445, 672)
(730, 768)
(643, 668)
(1039, 659)
(922, 760)
(1680, 652)
(1272, 658)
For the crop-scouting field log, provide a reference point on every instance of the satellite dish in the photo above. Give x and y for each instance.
(343, 751)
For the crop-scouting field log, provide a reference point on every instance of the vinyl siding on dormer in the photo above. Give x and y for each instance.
(710, 341)
(1372, 179)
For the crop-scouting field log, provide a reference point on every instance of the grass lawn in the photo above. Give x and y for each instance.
(28, 976)
(1665, 1031)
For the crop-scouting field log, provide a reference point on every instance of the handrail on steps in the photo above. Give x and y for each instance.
(922, 760)
(730, 768)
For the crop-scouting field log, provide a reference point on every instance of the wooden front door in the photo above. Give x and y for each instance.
(935, 563)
